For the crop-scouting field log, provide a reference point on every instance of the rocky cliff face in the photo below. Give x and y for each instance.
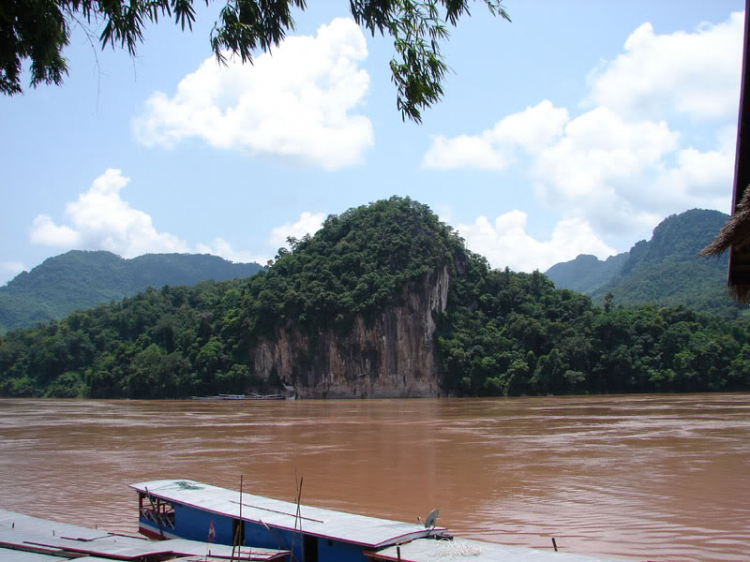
(392, 355)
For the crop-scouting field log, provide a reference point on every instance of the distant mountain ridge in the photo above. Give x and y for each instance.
(586, 273)
(665, 270)
(83, 279)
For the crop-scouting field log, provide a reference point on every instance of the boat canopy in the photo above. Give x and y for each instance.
(333, 525)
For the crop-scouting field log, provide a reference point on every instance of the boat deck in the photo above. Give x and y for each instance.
(431, 550)
(31, 539)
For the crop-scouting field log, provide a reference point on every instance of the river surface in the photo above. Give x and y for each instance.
(657, 477)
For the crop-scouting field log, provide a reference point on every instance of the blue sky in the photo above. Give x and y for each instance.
(574, 129)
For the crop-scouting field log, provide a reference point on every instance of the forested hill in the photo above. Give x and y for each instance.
(357, 291)
(586, 273)
(82, 279)
(665, 270)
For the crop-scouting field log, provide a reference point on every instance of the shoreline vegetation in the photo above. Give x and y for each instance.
(502, 334)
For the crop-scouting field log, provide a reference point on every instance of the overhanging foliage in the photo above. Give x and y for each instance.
(39, 30)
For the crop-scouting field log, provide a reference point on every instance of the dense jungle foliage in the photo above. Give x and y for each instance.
(515, 334)
(503, 333)
(81, 279)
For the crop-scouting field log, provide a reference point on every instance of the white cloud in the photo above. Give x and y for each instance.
(599, 145)
(222, 248)
(101, 220)
(46, 233)
(297, 102)
(308, 223)
(626, 175)
(697, 73)
(632, 157)
(603, 169)
(531, 129)
(9, 269)
(702, 179)
(464, 151)
(506, 243)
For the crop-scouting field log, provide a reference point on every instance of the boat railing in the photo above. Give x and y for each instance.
(162, 514)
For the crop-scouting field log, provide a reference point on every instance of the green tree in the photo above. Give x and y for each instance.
(550, 373)
(608, 300)
(39, 30)
(145, 380)
(67, 385)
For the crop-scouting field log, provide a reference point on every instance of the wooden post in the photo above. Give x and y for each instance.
(237, 539)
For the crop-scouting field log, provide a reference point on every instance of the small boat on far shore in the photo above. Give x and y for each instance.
(242, 397)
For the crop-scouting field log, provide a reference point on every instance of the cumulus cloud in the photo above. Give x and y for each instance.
(464, 151)
(701, 178)
(46, 233)
(603, 168)
(626, 175)
(506, 243)
(308, 223)
(635, 154)
(531, 129)
(298, 102)
(697, 73)
(100, 219)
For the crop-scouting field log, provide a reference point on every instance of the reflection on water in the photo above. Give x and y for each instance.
(657, 477)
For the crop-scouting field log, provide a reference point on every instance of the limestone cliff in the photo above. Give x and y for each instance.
(389, 355)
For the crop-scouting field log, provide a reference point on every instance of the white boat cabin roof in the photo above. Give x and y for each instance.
(334, 525)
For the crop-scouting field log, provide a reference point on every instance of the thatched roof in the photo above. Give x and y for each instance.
(735, 235)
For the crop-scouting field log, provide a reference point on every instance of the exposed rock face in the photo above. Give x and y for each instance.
(390, 356)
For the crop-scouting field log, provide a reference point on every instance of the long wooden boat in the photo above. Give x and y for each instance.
(197, 511)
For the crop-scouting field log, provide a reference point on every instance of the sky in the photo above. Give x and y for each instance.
(575, 129)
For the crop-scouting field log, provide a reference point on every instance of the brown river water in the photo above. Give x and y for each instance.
(652, 477)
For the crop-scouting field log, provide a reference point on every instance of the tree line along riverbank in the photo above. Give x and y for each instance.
(498, 333)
